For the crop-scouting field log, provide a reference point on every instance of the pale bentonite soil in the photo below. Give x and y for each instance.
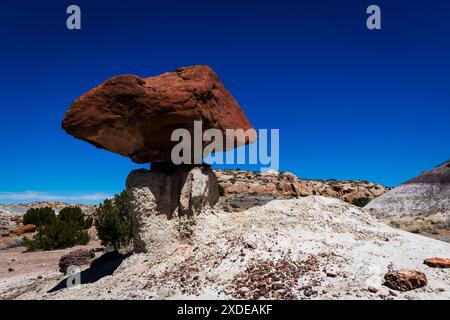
(307, 248)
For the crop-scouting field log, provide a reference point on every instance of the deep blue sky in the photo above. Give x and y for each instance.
(350, 103)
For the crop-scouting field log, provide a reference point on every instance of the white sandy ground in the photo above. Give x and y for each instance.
(344, 240)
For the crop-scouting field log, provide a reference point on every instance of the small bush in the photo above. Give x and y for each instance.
(113, 221)
(58, 235)
(72, 215)
(39, 216)
(360, 202)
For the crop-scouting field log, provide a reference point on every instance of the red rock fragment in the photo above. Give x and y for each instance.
(405, 280)
(437, 262)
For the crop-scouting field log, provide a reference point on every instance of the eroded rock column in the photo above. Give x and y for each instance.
(165, 201)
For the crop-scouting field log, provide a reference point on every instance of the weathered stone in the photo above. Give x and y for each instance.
(25, 229)
(135, 116)
(165, 201)
(271, 182)
(405, 280)
(78, 258)
(437, 262)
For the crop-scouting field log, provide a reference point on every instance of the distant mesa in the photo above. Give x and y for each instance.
(135, 117)
(428, 193)
(438, 175)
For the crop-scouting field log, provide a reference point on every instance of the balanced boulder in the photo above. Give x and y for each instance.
(135, 117)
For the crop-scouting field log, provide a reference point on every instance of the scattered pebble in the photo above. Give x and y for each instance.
(372, 289)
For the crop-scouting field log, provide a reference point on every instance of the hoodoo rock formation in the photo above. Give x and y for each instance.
(135, 117)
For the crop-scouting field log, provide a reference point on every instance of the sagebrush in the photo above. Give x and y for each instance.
(113, 221)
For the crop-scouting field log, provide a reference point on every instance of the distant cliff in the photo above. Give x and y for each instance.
(428, 193)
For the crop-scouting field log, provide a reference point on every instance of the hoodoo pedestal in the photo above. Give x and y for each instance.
(165, 201)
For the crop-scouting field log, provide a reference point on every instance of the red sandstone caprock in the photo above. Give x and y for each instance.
(135, 116)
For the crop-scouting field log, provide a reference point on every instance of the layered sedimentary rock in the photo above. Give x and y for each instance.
(135, 117)
(428, 193)
(165, 202)
(274, 183)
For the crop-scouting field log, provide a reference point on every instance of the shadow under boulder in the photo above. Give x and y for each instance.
(104, 266)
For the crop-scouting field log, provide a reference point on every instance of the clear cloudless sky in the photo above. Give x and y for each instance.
(350, 103)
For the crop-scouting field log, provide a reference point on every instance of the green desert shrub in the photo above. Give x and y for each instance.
(73, 215)
(360, 202)
(39, 216)
(57, 235)
(113, 221)
(56, 232)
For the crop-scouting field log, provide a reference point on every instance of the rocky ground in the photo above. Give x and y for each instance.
(307, 248)
(22, 271)
(435, 226)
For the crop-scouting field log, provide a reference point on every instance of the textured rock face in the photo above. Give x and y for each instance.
(405, 280)
(240, 182)
(135, 116)
(165, 202)
(429, 193)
